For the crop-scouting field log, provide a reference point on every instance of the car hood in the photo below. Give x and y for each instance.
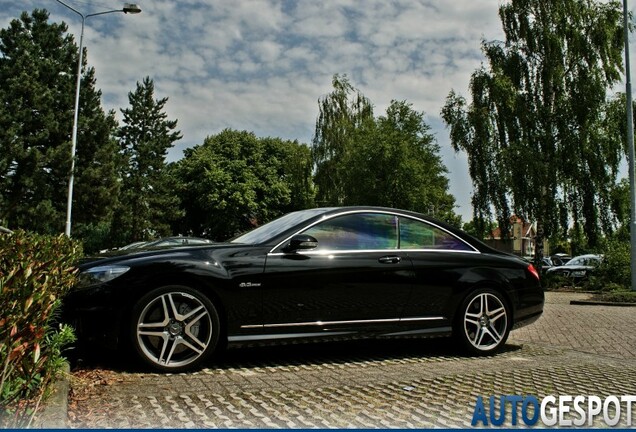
(121, 255)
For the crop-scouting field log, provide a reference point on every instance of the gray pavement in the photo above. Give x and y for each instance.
(571, 350)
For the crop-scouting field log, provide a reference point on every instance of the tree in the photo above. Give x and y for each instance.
(38, 67)
(479, 229)
(235, 181)
(96, 186)
(148, 202)
(294, 166)
(340, 113)
(539, 139)
(621, 209)
(392, 160)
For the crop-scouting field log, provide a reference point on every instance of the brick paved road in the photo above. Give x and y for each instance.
(589, 350)
(606, 330)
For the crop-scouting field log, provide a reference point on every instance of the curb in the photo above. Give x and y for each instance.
(600, 303)
(54, 412)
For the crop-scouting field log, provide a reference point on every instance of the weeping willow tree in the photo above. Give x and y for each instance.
(341, 113)
(540, 140)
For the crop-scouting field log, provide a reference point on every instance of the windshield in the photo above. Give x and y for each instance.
(278, 226)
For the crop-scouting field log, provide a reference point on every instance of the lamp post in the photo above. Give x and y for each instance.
(630, 147)
(127, 9)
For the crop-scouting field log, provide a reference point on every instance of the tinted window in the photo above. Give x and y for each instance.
(583, 261)
(575, 262)
(356, 232)
(415, 234)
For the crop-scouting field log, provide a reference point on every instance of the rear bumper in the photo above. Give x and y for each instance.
(527, 320)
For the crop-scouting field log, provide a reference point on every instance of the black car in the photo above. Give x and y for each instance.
(167, 242)
(577, 268)
(560, 259)
(319, 273)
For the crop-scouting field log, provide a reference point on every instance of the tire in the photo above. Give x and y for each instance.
(483, 322)
(174, 328)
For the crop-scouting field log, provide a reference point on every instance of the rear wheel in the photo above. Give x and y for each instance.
(174, 328)
(483, 322)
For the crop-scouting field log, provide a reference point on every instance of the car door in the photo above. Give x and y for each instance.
(438, 259)
(355, 276)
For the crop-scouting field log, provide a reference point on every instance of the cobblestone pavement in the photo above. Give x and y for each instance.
(571, 350)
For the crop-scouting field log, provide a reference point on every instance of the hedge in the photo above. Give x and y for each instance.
(35, 273)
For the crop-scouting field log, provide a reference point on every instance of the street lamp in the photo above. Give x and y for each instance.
(630, 147)
(128, 8)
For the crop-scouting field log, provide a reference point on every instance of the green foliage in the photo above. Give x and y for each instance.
(148, 204)
(95, 237)
(341, 113)
(614, 272)
(35, 272)
(392, 160)
(479, 228)
(541, 137)
(38, 70)
(559, 245)
(235, 181)
(616, 296)
(98, 166)
(620, 196)
(551, 281)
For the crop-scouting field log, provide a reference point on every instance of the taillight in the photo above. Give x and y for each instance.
(533, 271)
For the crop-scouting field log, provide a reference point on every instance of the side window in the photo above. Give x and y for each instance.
(415, 234)
(360, 231)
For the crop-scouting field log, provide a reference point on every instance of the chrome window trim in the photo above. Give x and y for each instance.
(385, 251)
(325, 323)
(387, 212)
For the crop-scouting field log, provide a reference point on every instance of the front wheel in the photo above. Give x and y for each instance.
(483, 322)
(174, 328)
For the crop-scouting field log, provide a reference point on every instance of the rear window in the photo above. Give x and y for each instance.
(415, 234)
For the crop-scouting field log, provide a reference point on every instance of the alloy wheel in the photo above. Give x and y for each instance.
(486, 322)
(175, 329)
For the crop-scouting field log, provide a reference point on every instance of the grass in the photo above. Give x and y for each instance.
(616, 297)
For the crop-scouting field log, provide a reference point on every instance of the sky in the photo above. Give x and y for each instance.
(262, 65)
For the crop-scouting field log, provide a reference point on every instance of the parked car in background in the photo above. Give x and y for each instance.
(560, 259)
(312, 274)
(175, 241)
(546, 263)
(167, 241)
(578, 268)
(163, 242)
(133, 245)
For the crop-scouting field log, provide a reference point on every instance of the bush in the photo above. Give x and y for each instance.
(614, 272)
(35, 272)
(620, 296)
(551, 281)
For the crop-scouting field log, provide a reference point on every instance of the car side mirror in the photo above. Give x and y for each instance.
(301, 242)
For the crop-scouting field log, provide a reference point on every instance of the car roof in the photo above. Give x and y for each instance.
(328, 211)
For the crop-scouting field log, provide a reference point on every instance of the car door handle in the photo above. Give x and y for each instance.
(390, 259)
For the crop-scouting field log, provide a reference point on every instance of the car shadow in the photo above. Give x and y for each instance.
(291, 354)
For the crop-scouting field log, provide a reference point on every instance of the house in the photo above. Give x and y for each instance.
(520, 239)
